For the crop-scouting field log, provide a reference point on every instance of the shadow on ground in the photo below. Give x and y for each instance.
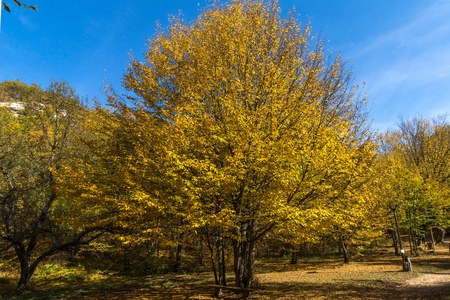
(361, 289)
(376, 277)
(354, 290)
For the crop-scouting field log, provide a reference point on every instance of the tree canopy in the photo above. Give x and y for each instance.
(416, 158)
(35, 144)
(241, 125)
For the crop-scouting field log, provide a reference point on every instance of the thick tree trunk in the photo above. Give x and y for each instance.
(26, 269)
(244, 265)
(25, 273)
(244, 257)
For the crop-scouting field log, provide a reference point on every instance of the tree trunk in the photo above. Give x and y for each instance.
(244, 257)
(413, 242)
(127, 257)
(201, 253)
(220, 257)
(411, 250)
(25, 276)
(244, 265)
(294, 257)
(395, 243)
(170, 254)
(177, 265)
(306, 249)
(25, 273)
(217, 254)
(157, 250)
(26, 269)
(213, 264)
(432, 240)
(346, 253)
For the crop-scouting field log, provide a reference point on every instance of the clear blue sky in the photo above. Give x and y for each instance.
(400, 48)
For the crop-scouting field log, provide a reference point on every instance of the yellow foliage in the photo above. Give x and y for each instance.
(239, 120)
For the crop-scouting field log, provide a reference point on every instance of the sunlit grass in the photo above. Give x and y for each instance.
(57, 274)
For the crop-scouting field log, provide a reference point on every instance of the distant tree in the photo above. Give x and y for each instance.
(34, 146)
(417, 160)
(360, 217)
(14, 91)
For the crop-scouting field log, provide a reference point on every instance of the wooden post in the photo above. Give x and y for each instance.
(432, 240)
(408, 264)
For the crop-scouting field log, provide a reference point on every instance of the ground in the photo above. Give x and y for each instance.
(372, 276)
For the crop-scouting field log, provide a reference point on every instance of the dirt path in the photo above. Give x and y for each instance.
(431, 284)
(431, 279)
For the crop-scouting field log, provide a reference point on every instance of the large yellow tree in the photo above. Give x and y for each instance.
(240, 125)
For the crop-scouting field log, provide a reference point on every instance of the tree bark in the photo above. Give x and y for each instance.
(244, 257)
(127, 257)
(412, 242)
(177, 265)
(202, 251)
(294, 255)
(211, 247)
(432, 240)
(395, 243)
(26, 270)
(220, 257)
(346, 252)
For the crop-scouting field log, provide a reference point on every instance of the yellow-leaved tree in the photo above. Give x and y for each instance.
(37, 132)
(240, 125)
(417, 159)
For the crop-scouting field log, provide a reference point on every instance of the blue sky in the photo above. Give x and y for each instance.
(400, 48)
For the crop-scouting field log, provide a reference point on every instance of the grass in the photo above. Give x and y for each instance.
(373, 276)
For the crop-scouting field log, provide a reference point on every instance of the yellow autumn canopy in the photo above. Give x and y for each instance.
(240, 125)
